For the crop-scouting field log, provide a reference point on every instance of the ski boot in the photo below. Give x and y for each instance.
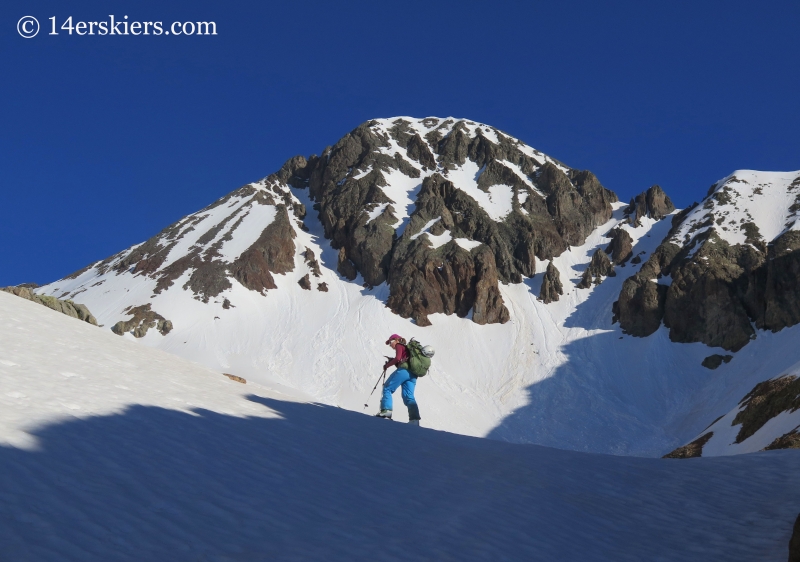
(384, 413)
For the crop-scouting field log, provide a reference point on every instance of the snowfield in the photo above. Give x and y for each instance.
(558, 374)
(117, 451)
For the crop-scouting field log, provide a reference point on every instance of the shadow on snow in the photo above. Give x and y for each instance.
(320, 483)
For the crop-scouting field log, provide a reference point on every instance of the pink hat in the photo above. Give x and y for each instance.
(392, 337)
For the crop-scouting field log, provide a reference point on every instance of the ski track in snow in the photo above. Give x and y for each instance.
(116, 451)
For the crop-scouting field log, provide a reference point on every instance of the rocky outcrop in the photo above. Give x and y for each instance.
(450, 280)
(764, 402)
(714, 361)
(692, 450)
(273, 252)
(553, 208)
(305, 282)
(718, 294)
(640, 308)
(794, 542)
(790, 440)
(577, 208)
(551, 285)
(311, 262)
(653, 203)
(377, 188)
(718, 279)
(143, 318)
(620, 249)
(72, 309)
(599, 267)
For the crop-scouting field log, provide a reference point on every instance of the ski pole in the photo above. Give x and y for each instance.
(383, 376)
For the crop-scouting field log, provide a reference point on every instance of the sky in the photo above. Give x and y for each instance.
(106, 140)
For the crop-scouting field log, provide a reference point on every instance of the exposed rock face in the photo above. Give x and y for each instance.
(311, 261)
(764, 402)
(451, 280)
(305, 282)
(621, 246)
(599, 267)
(273, 252)
(652, 203)
(323, 287)
(716, 294)
(714, 361)
(552, 207)
(794, 542)
(67, 307)
(726, 279)
(789, 440)
(551, 285)
(393, 197)
(143, 318)
(692, 450)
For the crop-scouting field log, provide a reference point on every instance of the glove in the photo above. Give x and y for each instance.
(386, 365)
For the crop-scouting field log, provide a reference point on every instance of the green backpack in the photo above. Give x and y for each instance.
(418, 361)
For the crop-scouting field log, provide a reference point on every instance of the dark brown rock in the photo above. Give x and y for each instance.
(790, 440)
(653, 203)
(311, 261)
(764, 402)
(621, 246)
(345, 267)
(235, 378)
(450, 280)
(599, 267)
(714, 361)
(67, 307)
(551, 285)
(713, 295)
(794, 542)
(640, 308)
(536, 228)
(781, 299)
(143, 318)
(305, 282)
(692, 450)
(323, 287)
(273, 252)
(574, 216)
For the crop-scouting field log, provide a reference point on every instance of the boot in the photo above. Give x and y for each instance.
(384, 413)
(414, 422)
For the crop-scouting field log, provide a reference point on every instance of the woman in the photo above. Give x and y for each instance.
(401, 377)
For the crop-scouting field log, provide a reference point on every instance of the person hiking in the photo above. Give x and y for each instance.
(400, 377)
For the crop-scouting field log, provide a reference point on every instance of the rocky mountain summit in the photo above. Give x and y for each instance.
(504, 259)
(444, 210)
(728, 266)
(441, 209)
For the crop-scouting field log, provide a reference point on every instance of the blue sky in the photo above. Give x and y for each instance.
(106, 140)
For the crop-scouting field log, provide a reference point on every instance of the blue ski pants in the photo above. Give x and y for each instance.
(401, 377)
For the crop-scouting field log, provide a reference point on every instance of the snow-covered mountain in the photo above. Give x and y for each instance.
(449, 231)
(111, 451)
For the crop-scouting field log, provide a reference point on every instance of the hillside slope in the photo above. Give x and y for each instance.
(115, 451)
(443, 230)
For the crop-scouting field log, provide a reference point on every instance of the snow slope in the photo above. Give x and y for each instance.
(116, 451)
(769, 200)
(559, 374)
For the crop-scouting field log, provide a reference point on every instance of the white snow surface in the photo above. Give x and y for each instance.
(560, 375)
(762, 198)
(110, 450)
